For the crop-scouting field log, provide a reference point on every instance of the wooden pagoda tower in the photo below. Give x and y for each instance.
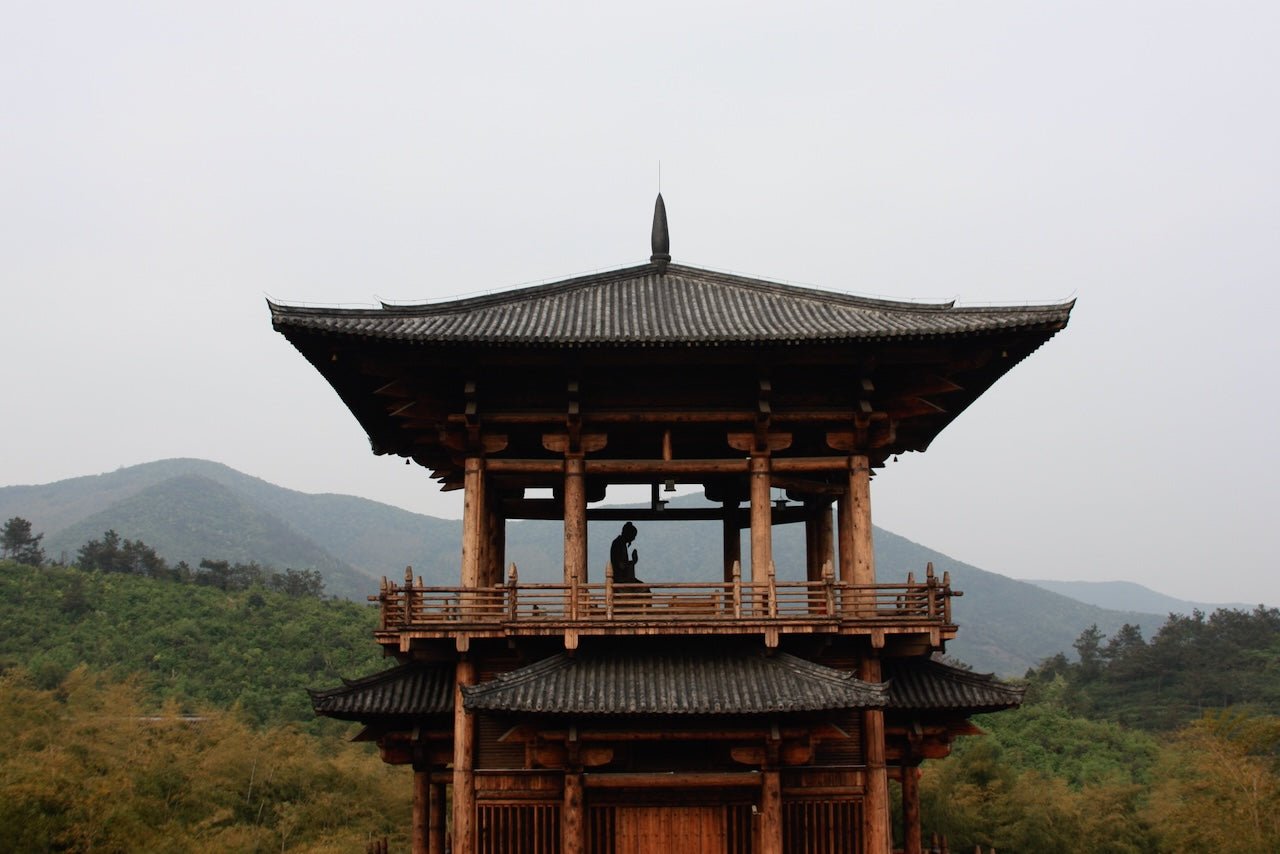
(751, 714)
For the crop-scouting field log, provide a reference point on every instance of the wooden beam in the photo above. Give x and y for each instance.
(669, 780)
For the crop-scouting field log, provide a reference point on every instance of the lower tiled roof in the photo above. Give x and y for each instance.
(410, 689)
(726, 683)
(673, 684)
(921, 684)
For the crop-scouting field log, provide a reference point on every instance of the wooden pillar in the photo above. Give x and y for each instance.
(435, 820)
(421, 810)
(473, 514)
(879, 840)
(844, 525)
(864, 558)
(812, 555)
(761, 517)
(770, 811)
(575, 521)
(732, 539)
(912, 843)
(494, 547)
(573, 826)
(826, 539)
(464, 736)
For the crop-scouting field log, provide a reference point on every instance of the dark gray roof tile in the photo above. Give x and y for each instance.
(921, 684)
(408, 690)
(684, 305)
(672, 684)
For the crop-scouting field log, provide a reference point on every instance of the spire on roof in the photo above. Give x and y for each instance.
(660, 239)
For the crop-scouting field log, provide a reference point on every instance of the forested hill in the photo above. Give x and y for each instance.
(191, 510)
(194, 644)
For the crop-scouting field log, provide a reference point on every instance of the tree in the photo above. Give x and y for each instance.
(17, 543)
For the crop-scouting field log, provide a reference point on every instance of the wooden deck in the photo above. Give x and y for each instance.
(413, 610)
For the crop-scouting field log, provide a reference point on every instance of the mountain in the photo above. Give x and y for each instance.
(190, 509)
(1125, 595)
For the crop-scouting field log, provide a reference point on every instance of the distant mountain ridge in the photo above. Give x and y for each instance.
(188, 509)
(1126, 595)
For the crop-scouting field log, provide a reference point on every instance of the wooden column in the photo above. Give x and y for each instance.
(421, 810)
(912, 843)
(864, 558)
(826, 542)
(812, 556)
(844, 525)
(732, 539)
(879, 839)
(761, 517)
(435, 820)
(575, 521)
(473, 516)
(770, 811)
(464, 737)
(573, 826)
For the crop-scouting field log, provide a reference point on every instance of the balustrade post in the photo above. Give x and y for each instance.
(945, 593)
(513, 593)
(931, 582)
(829, 587)
(406, 618)
(608, 591)
(773, 590)
(737, 590)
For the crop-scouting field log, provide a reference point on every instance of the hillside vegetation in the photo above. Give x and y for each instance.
(146, 714)
(257, 649)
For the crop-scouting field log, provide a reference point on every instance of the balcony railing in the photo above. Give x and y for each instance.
(413, 605)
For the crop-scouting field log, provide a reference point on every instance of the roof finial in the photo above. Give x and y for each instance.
(660, 239)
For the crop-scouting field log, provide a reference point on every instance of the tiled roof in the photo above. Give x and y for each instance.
(923, 684)
(673, 684)
(410, 689)
(683, 305)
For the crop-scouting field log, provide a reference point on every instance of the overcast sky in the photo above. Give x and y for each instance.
(165, 167)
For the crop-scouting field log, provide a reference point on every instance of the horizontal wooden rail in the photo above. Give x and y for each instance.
(415, 605)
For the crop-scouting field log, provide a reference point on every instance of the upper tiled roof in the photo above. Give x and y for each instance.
(410, 689)
(916, 683)
(672, 684)
(683, 305)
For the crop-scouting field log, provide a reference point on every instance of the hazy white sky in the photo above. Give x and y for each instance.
(166, 166)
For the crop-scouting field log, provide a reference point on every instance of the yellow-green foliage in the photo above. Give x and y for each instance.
(89, 766)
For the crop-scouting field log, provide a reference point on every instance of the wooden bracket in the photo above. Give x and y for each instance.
(755, 443)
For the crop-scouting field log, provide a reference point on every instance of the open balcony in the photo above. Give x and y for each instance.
(915, 611)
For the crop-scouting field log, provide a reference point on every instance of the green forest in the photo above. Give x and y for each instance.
(145, 707)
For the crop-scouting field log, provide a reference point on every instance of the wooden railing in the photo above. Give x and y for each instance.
(413, 604)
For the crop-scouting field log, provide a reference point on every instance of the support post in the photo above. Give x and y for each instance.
(912, 842)
(864, 559)
(770, 811)
(876, 818)
(732, 538)
(575, 521)
(473, 513)
(435, 821)
(421, 810)
(761, 517)
(464, 793)
(573, 836)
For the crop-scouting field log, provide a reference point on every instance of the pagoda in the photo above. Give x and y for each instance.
(766, 711)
